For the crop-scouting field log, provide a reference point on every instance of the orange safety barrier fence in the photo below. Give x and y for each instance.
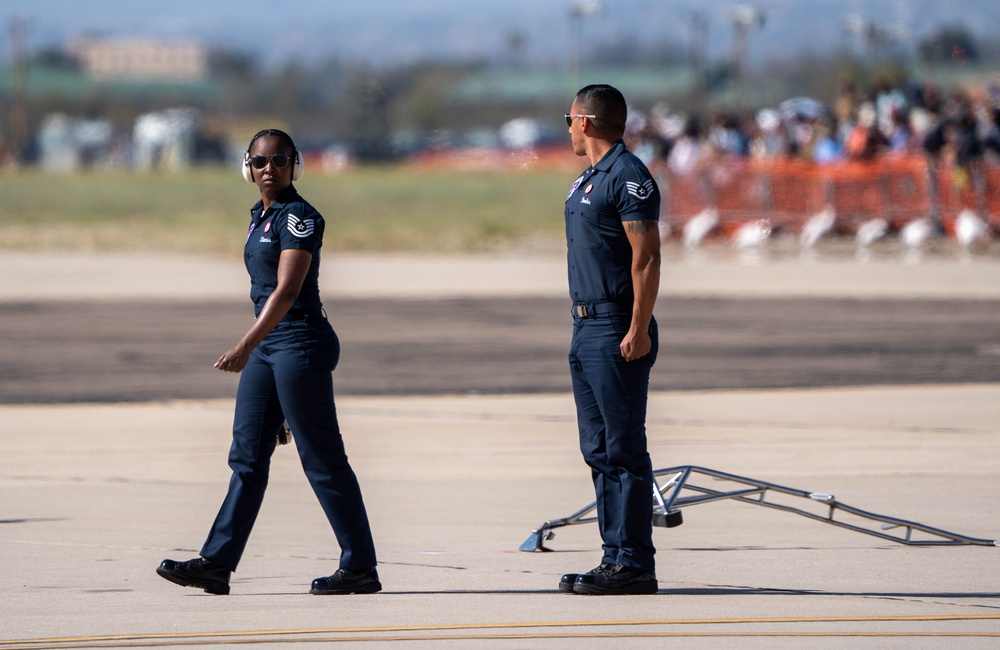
(794, 191)
(991, 194)
(906, 187)
(786, 193)
(498, 158)
(688, 196)
(740, 194)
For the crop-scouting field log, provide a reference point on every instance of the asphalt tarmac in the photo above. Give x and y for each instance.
(128, 351)
(875, 382)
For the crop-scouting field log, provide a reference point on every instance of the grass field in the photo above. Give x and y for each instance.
(206, 210)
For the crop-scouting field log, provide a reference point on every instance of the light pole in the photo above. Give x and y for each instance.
(698, 54)
(744, 18)
(577, 12)
(19, 91)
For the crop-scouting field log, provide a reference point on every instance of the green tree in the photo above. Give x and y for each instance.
(949, 43)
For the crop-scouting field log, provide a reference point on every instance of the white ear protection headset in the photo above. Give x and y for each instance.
(296, 162)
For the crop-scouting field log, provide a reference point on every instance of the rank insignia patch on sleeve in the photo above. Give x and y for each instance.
(301, 227)
(640, 191)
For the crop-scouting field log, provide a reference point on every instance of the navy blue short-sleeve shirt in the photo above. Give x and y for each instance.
(290, 222)
(618, 188)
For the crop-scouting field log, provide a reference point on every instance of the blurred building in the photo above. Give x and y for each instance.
(140, 58)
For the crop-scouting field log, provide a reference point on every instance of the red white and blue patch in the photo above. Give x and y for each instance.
(301, 227)
(576, 184)
(267, 227)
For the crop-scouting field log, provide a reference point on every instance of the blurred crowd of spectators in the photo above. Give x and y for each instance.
(956, 128)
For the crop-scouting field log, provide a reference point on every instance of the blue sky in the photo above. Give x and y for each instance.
(390, 31)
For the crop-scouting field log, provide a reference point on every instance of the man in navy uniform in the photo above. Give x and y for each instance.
(613, 244)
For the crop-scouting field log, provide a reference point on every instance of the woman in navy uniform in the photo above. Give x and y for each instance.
(286, 359)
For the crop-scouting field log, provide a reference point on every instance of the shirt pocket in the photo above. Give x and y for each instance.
(591, 225)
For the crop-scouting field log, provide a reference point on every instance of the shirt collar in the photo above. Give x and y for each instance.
(605, 163)
(286, 196)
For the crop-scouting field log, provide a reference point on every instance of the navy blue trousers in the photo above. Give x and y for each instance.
(611, 396)
(289, 377)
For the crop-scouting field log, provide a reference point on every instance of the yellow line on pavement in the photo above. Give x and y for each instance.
(165, 642)
(179, 638)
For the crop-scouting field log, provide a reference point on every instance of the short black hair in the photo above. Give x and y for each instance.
(608, 104)
(278, 133)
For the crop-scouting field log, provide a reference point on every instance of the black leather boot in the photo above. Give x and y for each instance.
(199, 572)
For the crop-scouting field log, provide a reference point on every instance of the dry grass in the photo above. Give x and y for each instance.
(205, 210)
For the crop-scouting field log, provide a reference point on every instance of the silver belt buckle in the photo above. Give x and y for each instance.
(581, 311)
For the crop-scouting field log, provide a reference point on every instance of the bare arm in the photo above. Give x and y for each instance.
(293, 265)
(644, 236)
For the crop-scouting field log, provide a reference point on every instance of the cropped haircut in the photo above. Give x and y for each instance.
(284, 137)
(608, 104)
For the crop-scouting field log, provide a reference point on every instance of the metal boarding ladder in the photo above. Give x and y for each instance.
(668, 503)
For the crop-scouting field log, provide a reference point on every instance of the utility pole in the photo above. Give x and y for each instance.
(515, 42)
(577, 12)
(698, 54)
(698, 40)
(19, 91)
(744, 17)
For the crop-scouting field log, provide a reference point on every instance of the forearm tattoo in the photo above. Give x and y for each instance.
(640, 227)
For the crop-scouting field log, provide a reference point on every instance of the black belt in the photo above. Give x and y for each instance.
(591, 309)
(296, 314)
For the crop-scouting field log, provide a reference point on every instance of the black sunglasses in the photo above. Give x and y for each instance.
(279, 160)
